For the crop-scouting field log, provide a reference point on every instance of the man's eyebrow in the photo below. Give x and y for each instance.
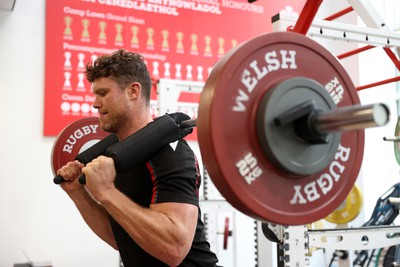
(100, 90)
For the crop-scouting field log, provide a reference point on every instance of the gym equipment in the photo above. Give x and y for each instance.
(139, 146)
(280, 130)
(80, 141)
(145, 142)
(91, 153)
(385, 212)
(349, 209)
(288, 151)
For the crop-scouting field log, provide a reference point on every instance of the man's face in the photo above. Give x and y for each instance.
(112, 103)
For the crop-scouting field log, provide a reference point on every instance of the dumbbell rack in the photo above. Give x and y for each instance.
(296, 241)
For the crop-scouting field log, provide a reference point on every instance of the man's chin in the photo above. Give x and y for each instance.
(105, 126)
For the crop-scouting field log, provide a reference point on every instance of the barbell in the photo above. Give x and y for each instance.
(280, 130)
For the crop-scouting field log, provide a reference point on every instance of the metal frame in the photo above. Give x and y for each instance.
(364, 238)
(168, 91)
(375, 34)
(341, 31)
(298, 241)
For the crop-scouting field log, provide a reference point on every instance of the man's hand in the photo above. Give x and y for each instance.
(100, 175)
(70, 173)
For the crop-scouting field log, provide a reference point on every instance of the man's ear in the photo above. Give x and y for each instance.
(134, 90)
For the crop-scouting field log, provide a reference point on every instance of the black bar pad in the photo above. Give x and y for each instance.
(148, 140)
(97, 149)
(178, 118)
(91, 153)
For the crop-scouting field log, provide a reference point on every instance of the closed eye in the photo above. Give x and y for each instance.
(101, 92)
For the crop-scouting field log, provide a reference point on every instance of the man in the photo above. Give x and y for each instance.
(150, 213)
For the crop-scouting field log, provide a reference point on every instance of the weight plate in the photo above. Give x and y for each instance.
(349, 209)
(74, 139)
(397, 144)
(227, 128)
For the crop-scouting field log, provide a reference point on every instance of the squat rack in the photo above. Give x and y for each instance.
(375, 34)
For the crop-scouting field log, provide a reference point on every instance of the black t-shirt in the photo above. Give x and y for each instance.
(171, 175)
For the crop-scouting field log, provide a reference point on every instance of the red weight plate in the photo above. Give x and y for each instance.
(228, 136)
(75, 138)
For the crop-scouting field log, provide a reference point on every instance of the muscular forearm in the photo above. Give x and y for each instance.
(95, 216)
(164, 230)
(156, 231)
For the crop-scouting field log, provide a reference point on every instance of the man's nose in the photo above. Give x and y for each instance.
(96, 103)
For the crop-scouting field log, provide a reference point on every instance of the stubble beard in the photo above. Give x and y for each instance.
(113, 124)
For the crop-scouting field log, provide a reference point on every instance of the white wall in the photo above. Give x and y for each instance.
(36, 217)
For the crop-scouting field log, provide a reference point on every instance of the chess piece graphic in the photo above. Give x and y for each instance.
(156, 72)
(93, 57)
(150, 40)
(102, 34)
(135, 39)
(67, 81)
(118, 37)
(165, 44)
(81, 84)
(189, 75)
(167, 72)
(193, 48)
(85, 36)
(81, 62)
(178, 73)
(207, 49)
(179, 44)
(221, 50)
(68, 31)
(200, 73)
(67, 62)
(234, 43)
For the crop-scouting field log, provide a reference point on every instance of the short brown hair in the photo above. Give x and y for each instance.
(124, 67)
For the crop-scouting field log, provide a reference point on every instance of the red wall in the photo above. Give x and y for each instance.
(193, 34)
